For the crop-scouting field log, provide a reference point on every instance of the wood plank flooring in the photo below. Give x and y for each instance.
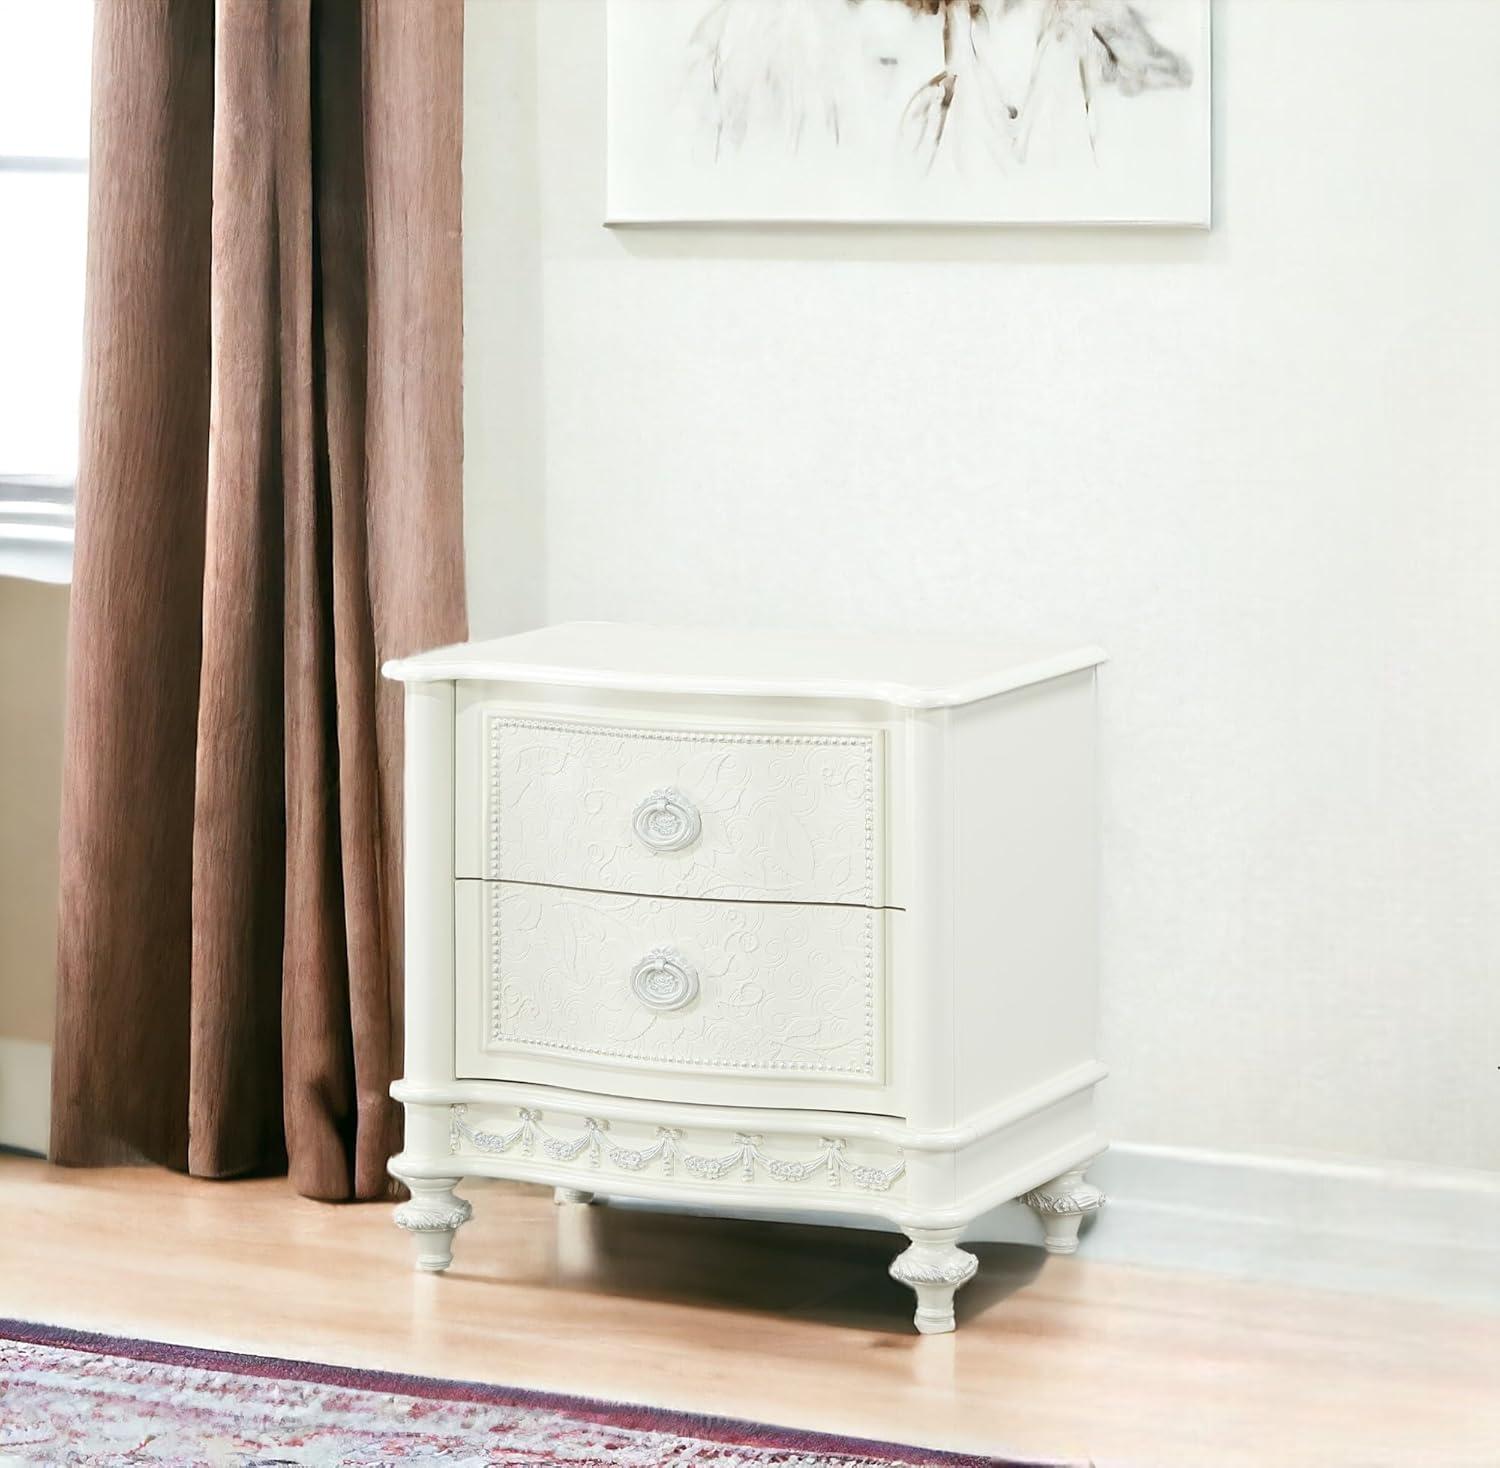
(1062, 1359)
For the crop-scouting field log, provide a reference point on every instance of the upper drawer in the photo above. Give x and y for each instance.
(788, 815)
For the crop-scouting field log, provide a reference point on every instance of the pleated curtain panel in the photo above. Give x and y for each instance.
(269, 505)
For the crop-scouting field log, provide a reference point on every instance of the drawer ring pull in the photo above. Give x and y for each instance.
(666, 820)
(664, 980)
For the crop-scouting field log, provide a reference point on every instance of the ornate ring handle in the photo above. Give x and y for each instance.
(664, 980)
(666, 820)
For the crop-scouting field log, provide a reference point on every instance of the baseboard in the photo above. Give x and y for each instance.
(1393, 1229)
(1408, 1232)
(25, 1094)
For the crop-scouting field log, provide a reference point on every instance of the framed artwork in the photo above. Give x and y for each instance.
(909, 111)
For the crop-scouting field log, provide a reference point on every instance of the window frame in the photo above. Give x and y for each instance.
(36, 510)
(36, 527)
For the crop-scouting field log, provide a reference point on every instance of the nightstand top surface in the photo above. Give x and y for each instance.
(901, 670)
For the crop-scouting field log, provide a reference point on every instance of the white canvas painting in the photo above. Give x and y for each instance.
(937, 111)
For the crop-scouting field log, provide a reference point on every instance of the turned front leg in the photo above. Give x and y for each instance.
(1062, 1206)
(934, 1266)
(432, 1216)
(562, 1196)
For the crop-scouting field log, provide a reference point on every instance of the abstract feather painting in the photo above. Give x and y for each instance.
(909, 111)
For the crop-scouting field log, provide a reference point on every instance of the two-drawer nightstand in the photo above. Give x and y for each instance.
(757, 921)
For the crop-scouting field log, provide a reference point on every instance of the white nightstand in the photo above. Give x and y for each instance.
(753, 921)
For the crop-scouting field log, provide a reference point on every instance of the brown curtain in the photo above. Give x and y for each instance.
(268, 505)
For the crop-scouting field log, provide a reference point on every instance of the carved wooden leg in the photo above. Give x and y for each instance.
(571, 1195)
(432, 1216)
(934, 1267)
(1061, 1205)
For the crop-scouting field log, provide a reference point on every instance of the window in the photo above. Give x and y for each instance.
(44, 137)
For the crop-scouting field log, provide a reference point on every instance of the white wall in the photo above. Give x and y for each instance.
(1259, 465)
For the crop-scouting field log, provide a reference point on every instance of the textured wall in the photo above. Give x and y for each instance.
(1259, 465)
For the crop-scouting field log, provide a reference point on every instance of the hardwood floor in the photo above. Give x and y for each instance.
(1066, 1359)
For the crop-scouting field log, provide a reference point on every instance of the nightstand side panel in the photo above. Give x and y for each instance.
(1025, 891)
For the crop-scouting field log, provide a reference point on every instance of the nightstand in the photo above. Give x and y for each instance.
(753, 921)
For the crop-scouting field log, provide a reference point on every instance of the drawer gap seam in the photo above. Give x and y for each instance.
(675, 897)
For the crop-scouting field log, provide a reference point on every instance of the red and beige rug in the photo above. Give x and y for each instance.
(68, 1397)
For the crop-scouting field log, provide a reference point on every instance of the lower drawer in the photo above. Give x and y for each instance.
(671, 998)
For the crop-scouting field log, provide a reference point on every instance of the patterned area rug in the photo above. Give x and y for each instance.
(68, 1397)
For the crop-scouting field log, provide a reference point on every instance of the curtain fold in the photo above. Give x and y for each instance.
(269, 504)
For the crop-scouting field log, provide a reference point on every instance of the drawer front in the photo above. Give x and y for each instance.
(727, 988)
(787, 816)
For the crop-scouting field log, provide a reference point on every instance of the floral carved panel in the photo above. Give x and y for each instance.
(777, 988)
(686, 813)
